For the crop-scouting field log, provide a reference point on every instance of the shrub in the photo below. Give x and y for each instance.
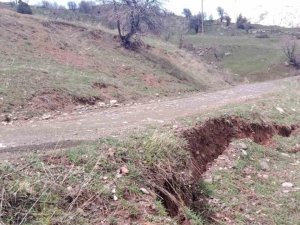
(262, 35)
(243, 23)
(86, 6)
(228, 20)
(24, 8)
(289, 50)
(221, 13)
(72, 5)
(195, 23)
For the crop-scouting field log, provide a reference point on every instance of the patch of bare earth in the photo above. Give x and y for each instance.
(207, 142)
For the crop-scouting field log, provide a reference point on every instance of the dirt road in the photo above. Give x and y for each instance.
(92, 125)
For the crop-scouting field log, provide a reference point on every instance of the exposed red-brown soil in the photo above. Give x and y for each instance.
(51, 100)
(207, 141)
(107, 91)
(151, 80)
(58, 100)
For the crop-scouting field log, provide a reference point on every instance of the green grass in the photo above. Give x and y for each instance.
(66, 186)
(260, 198)
(37, 57)
(250, 57)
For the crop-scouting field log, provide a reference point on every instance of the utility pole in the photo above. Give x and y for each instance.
(202, 18)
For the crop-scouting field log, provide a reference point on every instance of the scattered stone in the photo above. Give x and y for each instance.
(157, 94)
(264, 165)
(144, 190)
(287, 185)
(242, 146)
(244, 153)
(113, 102)
(113, 191)
(265, 176)
(69, 189)
(280, 110)
(175, 126)
(115, 198)
(124, 170)
(46, 117)
(285, 154)
(153, 207)
(208, 180)
(104, 178)
(286, 64)
(228, 53)
(101, 104)
(2, 145)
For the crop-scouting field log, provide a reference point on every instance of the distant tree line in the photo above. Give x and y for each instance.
(195, 21)
(23, 8)
(132, 17)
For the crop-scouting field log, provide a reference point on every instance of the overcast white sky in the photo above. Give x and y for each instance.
(276, 12)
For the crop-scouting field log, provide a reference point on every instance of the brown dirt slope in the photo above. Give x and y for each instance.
(55, 65)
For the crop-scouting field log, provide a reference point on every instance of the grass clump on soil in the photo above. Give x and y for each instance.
(109, 181)
(249, 188)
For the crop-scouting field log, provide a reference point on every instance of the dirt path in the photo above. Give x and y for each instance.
(66, 130)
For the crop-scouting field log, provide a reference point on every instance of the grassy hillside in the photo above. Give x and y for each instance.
(48, 64)
(55, 65)
(255, 59)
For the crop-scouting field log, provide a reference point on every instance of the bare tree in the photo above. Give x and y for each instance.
(187, 13)
(221, 13)
(86, 6)
(243, 23)
(289, 50)
(46, 4)
(196, 23)
(228, 20)
(72, 5)
(23, 8)
(133, 15)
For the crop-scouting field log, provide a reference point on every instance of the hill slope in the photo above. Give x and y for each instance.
(54, 65)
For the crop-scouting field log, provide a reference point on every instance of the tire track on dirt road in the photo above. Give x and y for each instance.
(67, 130)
